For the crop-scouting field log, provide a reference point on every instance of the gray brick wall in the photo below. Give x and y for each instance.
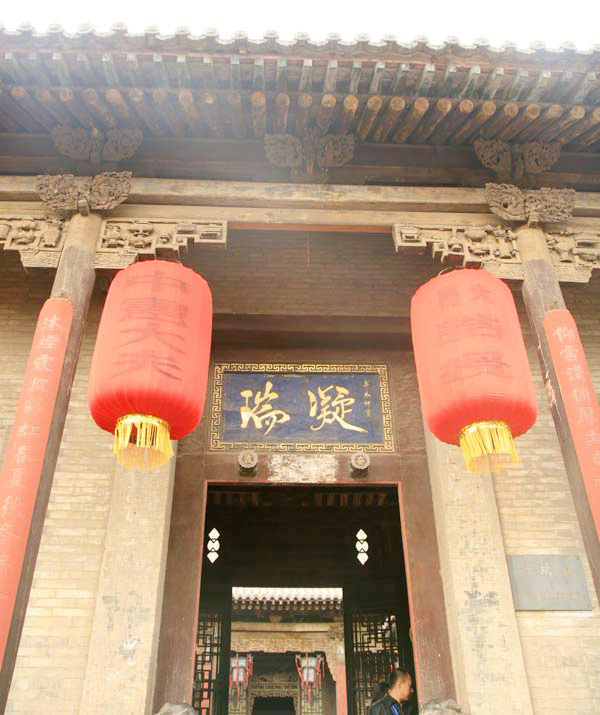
(278, 273)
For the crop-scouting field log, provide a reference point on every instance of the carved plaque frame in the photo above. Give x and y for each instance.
(217, 443)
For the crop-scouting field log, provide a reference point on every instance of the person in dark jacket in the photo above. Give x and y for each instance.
(379, 691)
(394, 700)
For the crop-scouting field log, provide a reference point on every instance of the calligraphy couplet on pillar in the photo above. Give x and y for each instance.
(24, 457)
(581, 405)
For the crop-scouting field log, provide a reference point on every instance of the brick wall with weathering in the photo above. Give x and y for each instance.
(278, 273)
(54, 646)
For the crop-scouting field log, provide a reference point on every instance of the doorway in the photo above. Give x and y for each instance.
(273, 706)
(303, 589)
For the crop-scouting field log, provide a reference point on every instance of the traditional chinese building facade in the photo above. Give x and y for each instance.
(315, 187)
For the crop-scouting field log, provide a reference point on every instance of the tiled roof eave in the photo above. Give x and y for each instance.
(118, 39)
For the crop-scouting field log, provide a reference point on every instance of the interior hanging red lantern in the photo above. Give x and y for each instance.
(474, 377)
(150, 365)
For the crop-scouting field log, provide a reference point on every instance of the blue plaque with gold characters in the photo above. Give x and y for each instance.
(287, 406)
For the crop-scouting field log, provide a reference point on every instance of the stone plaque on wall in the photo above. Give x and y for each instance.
(304, 407)
(548, 583)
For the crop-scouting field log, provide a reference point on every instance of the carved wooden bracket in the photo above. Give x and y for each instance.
(575, 253)
(311, 156)
(39, 241)
(534, 206)
(123, 241)
(94, 146)
(66, 194)
(521, 163)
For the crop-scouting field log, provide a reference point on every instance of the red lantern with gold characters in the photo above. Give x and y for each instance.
(474, 377)
(150, 365)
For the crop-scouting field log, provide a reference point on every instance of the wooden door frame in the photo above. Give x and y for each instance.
(407, 469)
(422, 661)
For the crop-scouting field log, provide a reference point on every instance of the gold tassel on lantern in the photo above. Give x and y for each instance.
(488, 446)
(142, 442)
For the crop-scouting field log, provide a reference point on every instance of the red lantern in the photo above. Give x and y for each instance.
(473, 371)
(150, 365)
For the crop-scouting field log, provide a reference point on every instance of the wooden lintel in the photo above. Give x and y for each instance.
(272, 197)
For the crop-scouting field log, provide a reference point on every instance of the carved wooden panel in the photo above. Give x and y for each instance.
(65, 193)
(94, 146)
(575, 252)
(546, 205)
(310, 156)
(39, 241)
(122, 241)
(516, 162)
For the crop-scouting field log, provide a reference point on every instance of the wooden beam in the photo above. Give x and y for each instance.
(390, 117)
(455, 119)
(303, 112)
(527, 116)
(485, 112)
(258, 109)
(410, 120)
(267, 196)
(168, 112)
(98, 108)
(368, 117)
(281, 110)
(33, 108)
(145, 113)
(325, 112)
(550, 115)
(190, 111)
(119, 107)
(72, 103)
(428, 125)
(497, 123)
(574, 115)
(347, 114)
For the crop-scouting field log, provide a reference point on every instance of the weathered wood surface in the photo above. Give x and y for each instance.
(216, 159)
(74, 281)
(335, 197)
(541, 293)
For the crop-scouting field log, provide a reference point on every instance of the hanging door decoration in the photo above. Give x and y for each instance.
(240, 672)
(311, 671)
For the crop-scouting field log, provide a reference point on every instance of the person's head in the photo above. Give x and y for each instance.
(400, 685)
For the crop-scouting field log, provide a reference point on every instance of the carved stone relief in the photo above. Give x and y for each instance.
(39, 241)
(310, 156)
(122, 241)
(575, 253)
(513, 204)
(516, 162)
(94, 146)
(66, 194)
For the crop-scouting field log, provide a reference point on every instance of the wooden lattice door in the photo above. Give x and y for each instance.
(377, 641)
(213, 642)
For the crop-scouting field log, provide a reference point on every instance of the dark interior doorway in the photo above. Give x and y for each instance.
(299, 537)
(273, 706)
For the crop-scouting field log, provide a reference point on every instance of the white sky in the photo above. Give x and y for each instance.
(521, 21)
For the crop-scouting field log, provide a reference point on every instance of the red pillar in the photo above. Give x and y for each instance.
(341, 696)
(26, 449)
